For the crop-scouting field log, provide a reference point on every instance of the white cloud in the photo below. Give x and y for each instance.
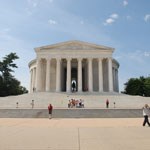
(147, 53)
(109, 21)
(147, 18)
(113, 17)
(52, 22)
(125, 3)
(33, 3)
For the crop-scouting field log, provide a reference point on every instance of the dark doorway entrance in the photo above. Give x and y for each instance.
(74, 78)
(74, 85)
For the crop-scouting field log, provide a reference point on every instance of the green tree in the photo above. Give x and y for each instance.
(138, 86)
(147, 87)
(8, 84)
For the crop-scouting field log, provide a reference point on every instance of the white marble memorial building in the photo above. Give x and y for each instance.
(74, 65)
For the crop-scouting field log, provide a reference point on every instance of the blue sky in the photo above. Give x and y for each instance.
(121, 24)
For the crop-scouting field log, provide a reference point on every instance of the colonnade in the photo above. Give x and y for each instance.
(37, 77)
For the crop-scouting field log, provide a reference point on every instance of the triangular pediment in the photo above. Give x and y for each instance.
(74, 45)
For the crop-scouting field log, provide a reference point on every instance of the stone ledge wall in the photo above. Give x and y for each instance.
(71, 113)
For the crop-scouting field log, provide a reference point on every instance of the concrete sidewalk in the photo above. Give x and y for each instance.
(74, 134)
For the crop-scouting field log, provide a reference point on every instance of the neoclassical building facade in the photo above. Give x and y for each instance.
(74, 65)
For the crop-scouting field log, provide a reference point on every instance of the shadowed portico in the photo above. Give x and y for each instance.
(74, 75)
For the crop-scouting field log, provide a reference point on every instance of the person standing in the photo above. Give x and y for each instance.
(32, 104)
(50, 109)
(73, 86)
(146, 113)
(107, 103)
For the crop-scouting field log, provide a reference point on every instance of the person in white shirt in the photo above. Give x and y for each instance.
(146, 113)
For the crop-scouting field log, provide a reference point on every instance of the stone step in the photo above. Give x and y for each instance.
(60, 100)
(71, 113)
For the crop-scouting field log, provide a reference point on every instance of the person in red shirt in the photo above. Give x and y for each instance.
(50, 109)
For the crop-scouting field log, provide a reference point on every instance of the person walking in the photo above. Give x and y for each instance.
(50, 109)
(146, 113)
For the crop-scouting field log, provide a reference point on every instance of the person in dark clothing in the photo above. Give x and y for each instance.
(107, 103)
(50, 109)
(73, 86)
(146, 113)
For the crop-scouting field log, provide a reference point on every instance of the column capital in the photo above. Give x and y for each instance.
(100, 58)
(90, 58)
(48, 58)
(38, 59)
(68, 59)
(109, 58)
(58, 59)
(80, 59)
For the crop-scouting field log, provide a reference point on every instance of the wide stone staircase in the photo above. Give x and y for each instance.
(125, 106)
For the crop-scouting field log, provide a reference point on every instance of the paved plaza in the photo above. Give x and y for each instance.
(74, 134)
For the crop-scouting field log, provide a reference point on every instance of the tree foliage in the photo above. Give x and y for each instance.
(138, 86)
(8, 84)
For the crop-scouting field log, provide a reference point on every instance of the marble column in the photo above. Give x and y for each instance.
(90, 75)
(110, 75)
(68, 84)
(79, 74)
(117, 82)
(100, 74)
(38, 75)
(31, 78)
(58, 62)
(113, 77)
(48, 72)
